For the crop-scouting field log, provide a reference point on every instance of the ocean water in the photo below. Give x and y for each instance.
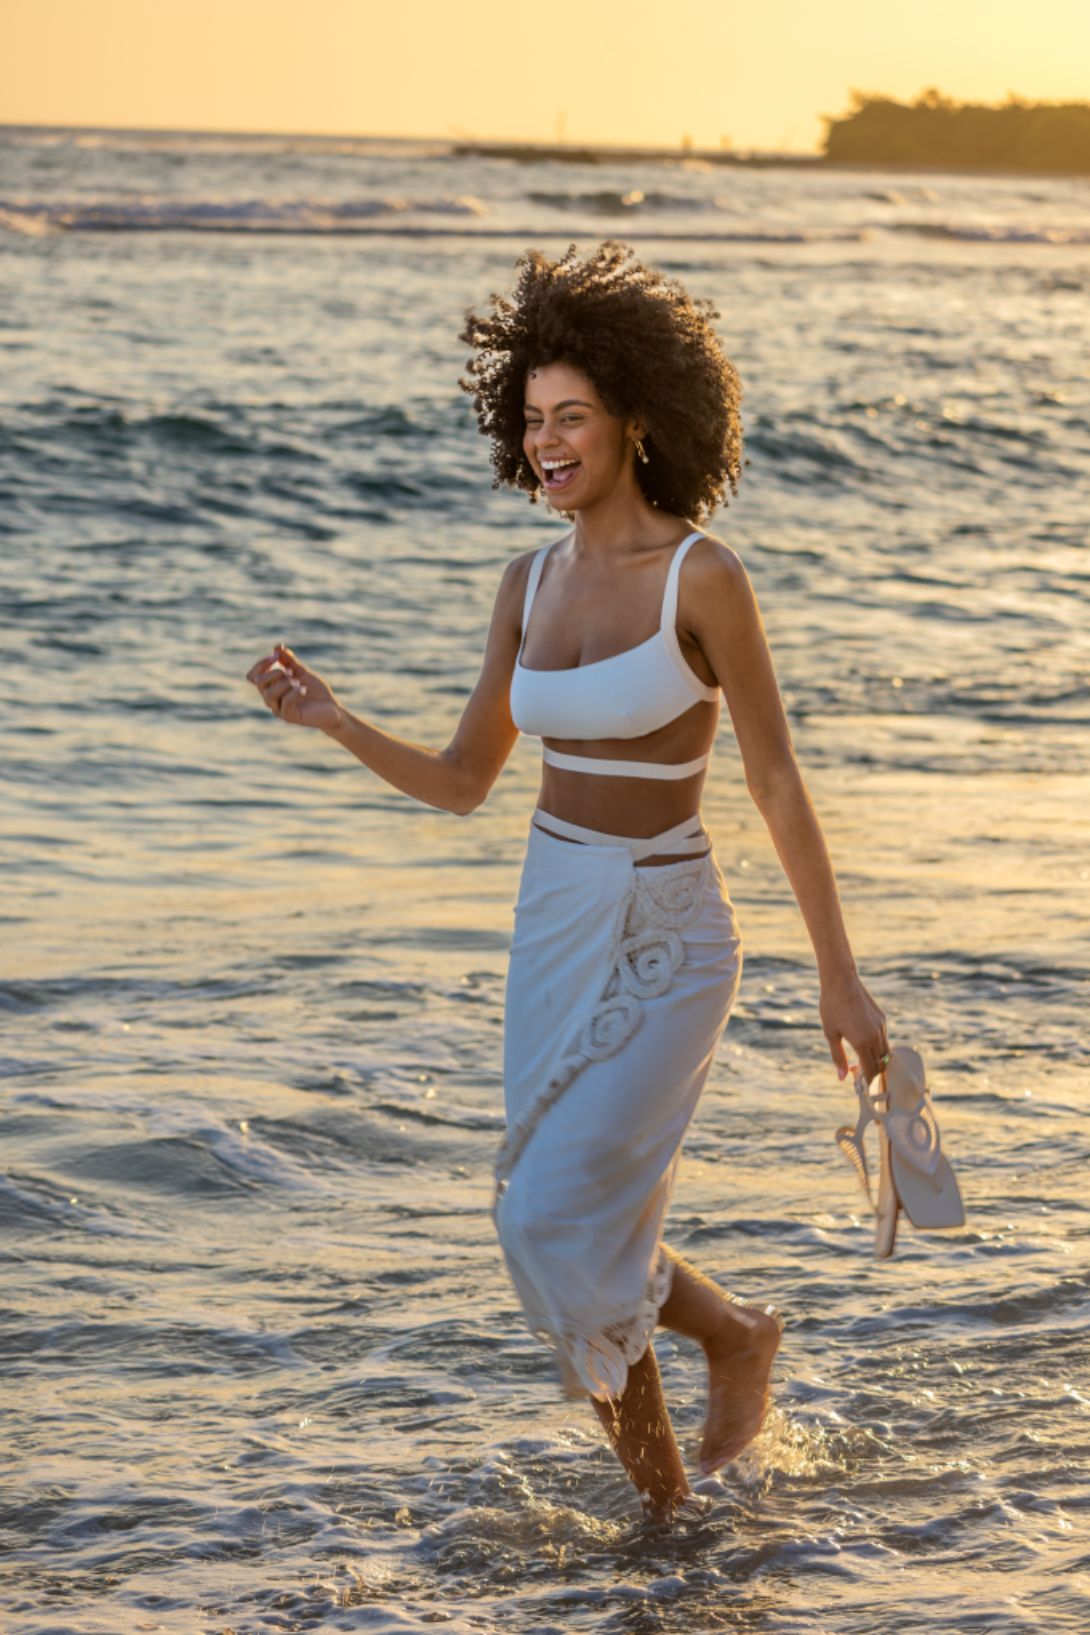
(262, 1366)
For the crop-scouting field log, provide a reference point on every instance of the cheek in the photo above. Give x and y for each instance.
(592, 447)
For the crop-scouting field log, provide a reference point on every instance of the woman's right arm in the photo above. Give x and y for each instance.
(455, 779)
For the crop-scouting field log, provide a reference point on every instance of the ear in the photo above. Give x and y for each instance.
(635, 429)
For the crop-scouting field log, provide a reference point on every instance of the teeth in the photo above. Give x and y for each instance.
(557, 465)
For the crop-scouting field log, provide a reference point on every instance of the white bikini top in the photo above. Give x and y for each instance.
(627, 696)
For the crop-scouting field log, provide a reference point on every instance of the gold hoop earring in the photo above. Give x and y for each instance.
(641, 452)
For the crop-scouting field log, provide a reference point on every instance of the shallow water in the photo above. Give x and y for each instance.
(264, 1367)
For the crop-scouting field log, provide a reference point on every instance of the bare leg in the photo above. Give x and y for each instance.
(638, 1425)
(739, 1344)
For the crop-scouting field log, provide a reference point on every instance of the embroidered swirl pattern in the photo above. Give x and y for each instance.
(916, 1135)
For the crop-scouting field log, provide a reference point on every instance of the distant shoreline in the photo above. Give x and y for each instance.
(588, 155)
(1024, 138)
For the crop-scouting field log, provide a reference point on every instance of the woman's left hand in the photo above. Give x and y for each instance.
(849, 1013)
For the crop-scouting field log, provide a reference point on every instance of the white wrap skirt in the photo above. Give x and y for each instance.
(620, 985)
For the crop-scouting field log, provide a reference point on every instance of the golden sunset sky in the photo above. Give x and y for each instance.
(639, 71)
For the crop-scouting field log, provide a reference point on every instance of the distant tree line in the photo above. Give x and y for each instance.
(934, 130)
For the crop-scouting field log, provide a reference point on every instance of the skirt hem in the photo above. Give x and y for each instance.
(596, 1364)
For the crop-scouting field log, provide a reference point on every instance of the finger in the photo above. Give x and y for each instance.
(276, 691)
(875, 1058)
(279, 677)
(836, 1051)
(267, 669)
(287, 658)
(296, 673)
(259, 668)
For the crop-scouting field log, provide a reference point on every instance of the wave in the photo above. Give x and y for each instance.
(408, 218)
(222, 215)
(977, 234)
(461, 214)
(262, 144)
(609, 202)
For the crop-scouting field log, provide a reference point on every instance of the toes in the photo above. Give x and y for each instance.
(739, 1395)
(730, 1447)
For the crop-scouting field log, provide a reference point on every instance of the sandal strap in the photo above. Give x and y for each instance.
(851, 1142)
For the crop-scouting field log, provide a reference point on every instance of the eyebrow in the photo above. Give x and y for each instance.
(568, 403)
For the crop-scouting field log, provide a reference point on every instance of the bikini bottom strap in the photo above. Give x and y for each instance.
(685, 839)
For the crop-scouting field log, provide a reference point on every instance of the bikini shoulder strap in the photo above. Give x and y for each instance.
(669, 624)
(533, 580)
(669, 598)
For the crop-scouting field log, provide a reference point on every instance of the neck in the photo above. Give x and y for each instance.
(621, 521)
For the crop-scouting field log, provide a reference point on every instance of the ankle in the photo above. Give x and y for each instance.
(737, 1328)
(660, 1503)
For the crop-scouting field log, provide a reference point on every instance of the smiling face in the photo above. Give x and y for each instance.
(580, 451)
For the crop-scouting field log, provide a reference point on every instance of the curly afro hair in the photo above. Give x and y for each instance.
(650, 350)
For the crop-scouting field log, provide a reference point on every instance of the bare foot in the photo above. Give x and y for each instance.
(691, 1507)
(739, 1365)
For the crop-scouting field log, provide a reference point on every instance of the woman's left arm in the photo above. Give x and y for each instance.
(719, 608)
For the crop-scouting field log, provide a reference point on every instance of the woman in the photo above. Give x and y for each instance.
(602, 384)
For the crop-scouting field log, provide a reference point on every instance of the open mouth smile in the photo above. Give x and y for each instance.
(559, 473)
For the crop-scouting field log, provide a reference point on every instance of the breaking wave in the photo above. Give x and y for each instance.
(973, 232)
(223, 215)
(611, 202)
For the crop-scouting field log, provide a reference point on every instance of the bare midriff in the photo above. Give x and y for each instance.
(635, 807)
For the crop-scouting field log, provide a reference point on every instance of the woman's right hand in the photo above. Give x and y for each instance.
(293, 692)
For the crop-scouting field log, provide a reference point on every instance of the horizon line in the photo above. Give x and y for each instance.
(451, 139)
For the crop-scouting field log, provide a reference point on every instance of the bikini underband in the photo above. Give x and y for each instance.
(625, 769)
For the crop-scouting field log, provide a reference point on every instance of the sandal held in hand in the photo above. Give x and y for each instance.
(914, 1172)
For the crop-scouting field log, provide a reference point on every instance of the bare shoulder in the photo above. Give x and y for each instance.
(517, 570)
(515, 577)
(511, 594)
(714, 579)
(712, 562)
(512, 586)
